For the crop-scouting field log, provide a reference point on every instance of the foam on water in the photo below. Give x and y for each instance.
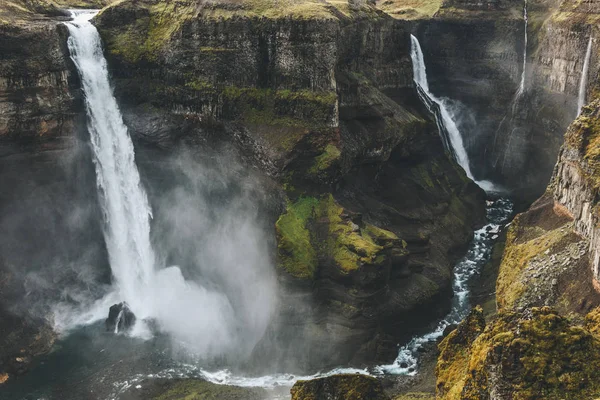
(479, 252)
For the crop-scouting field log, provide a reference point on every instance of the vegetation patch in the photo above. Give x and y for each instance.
(296, 252)
(410, 9)
(532, 355)
(523, 243)
(325, 160)
(347, 243)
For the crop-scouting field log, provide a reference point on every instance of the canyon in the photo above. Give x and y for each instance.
(290, 140)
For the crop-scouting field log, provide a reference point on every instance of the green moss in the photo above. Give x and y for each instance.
(296, 252)
(534, 355)
(523, 243)
(415, 396)
(149, 33)
(347, 387)
(285, 108)
(313, 229)
(195, 389)
(411, 9)
(348, 244)
(325, 160)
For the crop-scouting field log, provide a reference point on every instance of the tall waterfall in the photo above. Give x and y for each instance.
(522, 82)
(123, 199)
(448, 130)
(584, 77)
(226, 305)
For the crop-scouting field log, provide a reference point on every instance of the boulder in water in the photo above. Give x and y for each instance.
(120, 318)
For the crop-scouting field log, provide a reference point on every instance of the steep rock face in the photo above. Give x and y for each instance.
(576, 176)
(528, 355)
(551, 257)
(363, 265)
(46, 179)
(473, 49)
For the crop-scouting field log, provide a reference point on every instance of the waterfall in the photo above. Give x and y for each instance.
(123, 200)
(225, 313)
(521, 89)
(448, 130)
(584, 77)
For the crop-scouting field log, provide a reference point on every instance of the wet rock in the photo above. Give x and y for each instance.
(120, 318)
(340, 387)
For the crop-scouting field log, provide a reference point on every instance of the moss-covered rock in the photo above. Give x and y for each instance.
(339, 387)
(188, 389)
(532, 355)
(314, 229)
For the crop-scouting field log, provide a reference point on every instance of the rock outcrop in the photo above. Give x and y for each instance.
(529, 355)
(120, 318)
(339, 387)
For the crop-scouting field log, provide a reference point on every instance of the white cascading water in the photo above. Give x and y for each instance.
(127, 228)
(447, 125)
(521, 88)
(584, 77)
(124, 202)
(201, 319)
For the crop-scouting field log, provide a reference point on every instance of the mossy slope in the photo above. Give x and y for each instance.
(318, 229)
(339, 387)
(532, 355)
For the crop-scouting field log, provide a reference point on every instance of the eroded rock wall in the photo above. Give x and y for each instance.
(323, 106)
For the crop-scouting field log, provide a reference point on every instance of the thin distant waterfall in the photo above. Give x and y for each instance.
(521, 88)
(584, 77)
(448, 130)
(124, 202)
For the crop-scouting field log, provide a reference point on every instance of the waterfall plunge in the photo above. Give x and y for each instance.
(584, 77)
(447, 126)
(448, 129)
(203, 321)
(521, 88)
(124, 202)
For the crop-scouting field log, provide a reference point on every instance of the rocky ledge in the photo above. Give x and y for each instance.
(532, 354)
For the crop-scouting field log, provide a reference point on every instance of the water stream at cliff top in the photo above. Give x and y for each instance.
(584, 77)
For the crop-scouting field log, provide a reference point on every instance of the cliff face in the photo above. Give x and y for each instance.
(529, 355)
(550, 259)
(319, 99)
(473, 49)
(46, 180)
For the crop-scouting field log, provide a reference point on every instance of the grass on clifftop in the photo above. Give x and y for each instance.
(410, 9)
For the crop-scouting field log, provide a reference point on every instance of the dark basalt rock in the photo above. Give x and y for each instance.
(340, 387)
(120, 318)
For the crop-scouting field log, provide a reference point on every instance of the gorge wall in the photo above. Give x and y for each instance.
(316, 101)
(345, 137)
